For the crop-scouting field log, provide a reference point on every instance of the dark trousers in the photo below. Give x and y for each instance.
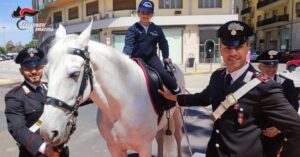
(271, 146)
(168, 80)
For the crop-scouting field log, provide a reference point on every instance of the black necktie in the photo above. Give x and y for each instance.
(227, 82)
(40, 91)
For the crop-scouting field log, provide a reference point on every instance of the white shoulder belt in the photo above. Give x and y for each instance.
(232, 98)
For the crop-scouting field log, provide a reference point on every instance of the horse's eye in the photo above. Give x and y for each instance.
(74, 75)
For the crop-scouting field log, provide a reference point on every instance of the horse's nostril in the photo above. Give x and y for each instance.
(55, 134)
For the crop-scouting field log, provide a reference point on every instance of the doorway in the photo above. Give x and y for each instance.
(209, 49)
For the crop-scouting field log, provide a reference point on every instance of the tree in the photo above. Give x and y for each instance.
(2, 50)
(32, 43)
(18, 47)
(9, 46)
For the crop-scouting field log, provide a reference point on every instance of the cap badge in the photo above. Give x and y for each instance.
(233, 27)
(272, 53)
(31, 52)
(147, 4)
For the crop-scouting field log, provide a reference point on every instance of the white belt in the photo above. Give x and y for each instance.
(232, 99)
(35, 127)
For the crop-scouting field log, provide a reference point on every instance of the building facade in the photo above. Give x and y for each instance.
(276, 23)
(190, 26)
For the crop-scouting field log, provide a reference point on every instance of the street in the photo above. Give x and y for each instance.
(87, 141)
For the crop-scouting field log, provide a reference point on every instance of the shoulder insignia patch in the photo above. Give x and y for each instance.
(261, 76)
(26, 90)
(45, 85)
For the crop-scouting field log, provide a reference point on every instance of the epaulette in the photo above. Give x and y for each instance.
(264, 78)
(16, 88)
(26, 90)
(45, 85)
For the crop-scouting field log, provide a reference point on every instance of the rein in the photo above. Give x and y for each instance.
(87, 75)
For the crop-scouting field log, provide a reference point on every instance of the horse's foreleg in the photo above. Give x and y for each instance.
(178, 131)
(160, 143)
(116, 152)
(145, 150)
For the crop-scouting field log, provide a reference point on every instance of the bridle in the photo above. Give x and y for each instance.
(87, 75)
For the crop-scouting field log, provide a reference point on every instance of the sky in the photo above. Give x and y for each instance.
(11, 32)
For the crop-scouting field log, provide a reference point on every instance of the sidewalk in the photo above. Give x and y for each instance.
(9, 72)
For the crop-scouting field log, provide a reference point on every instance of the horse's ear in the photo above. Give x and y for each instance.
(61, 32)
(84, 37)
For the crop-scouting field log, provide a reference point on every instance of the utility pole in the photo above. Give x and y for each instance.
(291, 30)
(3, 27)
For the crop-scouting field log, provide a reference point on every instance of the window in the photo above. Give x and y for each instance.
(95, 35)
(285, 10)
(247, 4)
(57, 17)
(92, 8)
(210, 4)
(124, 5)
(266, 15)
(274, 13)
(73, 13)
(259, 18)
(170, 4)
(298, 9)
(237, 10)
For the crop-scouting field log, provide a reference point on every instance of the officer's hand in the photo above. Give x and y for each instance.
(49, 152)
(167, 94)
(168, 60)
(271, 132)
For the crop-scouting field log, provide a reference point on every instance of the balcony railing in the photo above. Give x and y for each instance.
(272, 20)
(264, 3)
(246, 10)
(44, 3)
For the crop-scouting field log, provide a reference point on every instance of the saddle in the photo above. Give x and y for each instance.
(154, 82)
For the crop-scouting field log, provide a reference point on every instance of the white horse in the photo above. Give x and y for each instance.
(116, 84)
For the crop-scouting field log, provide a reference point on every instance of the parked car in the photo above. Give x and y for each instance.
(295, 76)
(291, 55)
(2, 57)
(292, 65)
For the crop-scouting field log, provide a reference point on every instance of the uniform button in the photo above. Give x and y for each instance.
(217, 145)
(217, 131)
(285, 139)
(33, 110)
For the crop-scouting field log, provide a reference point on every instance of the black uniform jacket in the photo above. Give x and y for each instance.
(23, 109)
(266, 101)
(289, 90)
(139, 43)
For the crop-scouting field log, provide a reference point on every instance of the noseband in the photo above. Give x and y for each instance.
(87, 75)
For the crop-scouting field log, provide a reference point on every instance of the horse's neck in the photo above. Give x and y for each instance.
(116, 78)
(114, 67)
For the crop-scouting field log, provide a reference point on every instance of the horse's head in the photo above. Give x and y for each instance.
(70, 82)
